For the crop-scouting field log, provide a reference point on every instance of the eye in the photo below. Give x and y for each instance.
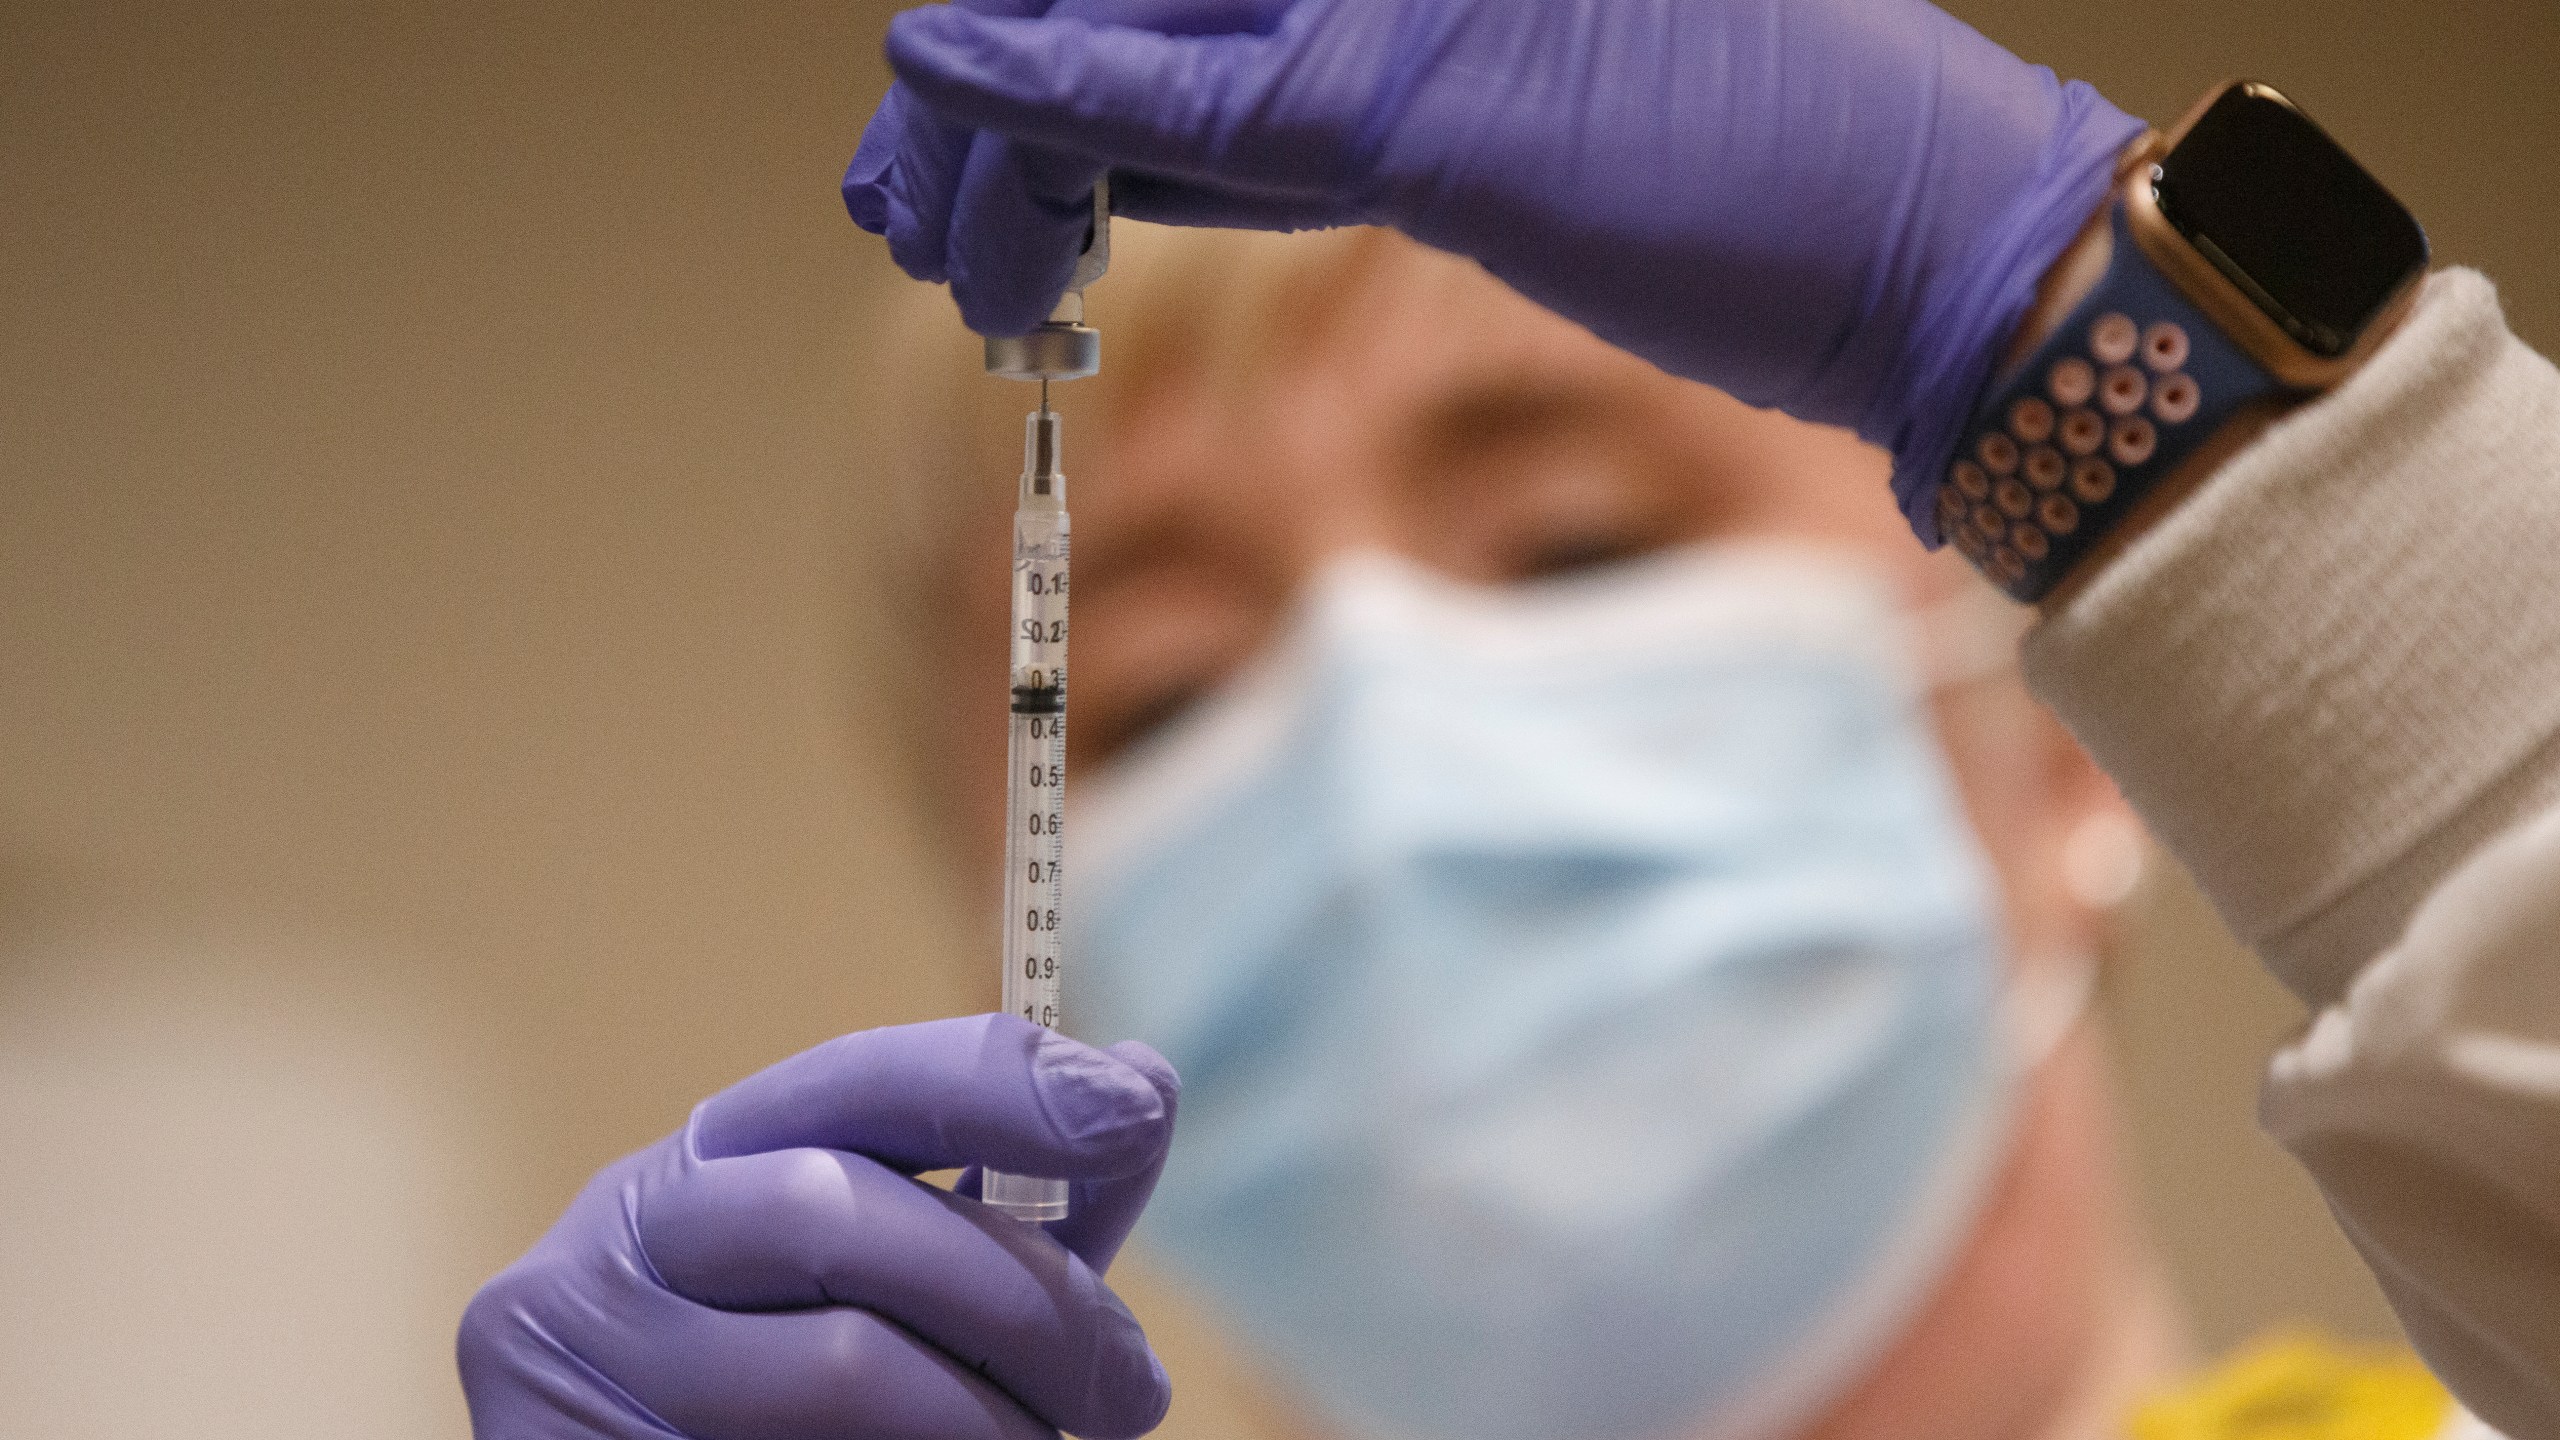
(1151, 645)
(1104, 730)
(1531, 501)
(1554, 556)
(1564, 506)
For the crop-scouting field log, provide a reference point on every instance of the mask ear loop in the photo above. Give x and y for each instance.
(2102, 865)
(1972, 636)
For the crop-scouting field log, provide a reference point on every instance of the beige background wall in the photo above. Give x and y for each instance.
(441, 730)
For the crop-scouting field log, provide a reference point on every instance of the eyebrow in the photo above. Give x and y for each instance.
(1489, 411)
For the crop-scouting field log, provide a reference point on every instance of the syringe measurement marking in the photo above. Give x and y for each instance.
(1039, 712)
(1039, 775)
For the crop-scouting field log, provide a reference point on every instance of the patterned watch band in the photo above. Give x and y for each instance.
(2066, 444)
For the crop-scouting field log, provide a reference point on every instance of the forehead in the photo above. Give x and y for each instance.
(1416, 320)
(1400, 364)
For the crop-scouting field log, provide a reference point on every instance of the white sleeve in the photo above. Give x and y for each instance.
(2330, 681)
(2427, 1103)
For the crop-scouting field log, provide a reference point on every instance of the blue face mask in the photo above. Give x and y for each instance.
(1585, 995)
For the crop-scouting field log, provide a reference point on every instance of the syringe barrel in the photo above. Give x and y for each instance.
(1036, 766)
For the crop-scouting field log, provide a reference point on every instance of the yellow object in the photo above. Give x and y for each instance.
(2301, 1386)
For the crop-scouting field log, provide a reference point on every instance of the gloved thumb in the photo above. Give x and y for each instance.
(1020, 221)
(1123, 96)
(1100, 1213)
(973, 1090)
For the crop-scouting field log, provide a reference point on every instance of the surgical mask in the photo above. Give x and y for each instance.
(1586, 994)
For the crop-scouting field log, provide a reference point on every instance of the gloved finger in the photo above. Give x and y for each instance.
(798, 1229)
(982, 1089)
(1180, 17)
(906, 169)
(902, 179)
(1164, 200)
(1123, 96)
(1101, 1212)
(816, 1375)
(1019, 219)
(867, 177)
(617, 1353)
(1022, 218)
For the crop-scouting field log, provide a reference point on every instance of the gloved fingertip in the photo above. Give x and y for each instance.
(867, 202)
(1132, 1393)
(998, 290)
(1144, 1058)
(866, 175)
(998, 316)
(930, 39)
(1142, 1412)
(1163, 1403)
(1100, 1104)
(908, 250)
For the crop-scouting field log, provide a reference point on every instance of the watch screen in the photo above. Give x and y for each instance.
(2290, 217)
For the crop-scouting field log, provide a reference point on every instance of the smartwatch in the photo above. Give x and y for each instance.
(2251, 258)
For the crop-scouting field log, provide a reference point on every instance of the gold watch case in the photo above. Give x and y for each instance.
(2239, 315)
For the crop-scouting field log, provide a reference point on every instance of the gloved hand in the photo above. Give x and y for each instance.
(1837, 208)
(771, 1272)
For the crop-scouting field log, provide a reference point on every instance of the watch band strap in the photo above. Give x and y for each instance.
(2066, 443)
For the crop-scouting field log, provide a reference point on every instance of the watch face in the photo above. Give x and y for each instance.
(2289, 217)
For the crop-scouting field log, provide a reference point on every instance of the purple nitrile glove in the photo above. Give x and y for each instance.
(1027, 207)
(1836, 208)
(772, 1272)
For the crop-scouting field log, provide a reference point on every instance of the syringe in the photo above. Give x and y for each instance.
(1036, 761)
(1064, 348)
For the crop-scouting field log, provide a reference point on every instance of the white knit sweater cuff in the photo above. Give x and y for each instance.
(2335, 669)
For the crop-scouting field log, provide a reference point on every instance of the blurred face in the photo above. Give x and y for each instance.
(1444, 418)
